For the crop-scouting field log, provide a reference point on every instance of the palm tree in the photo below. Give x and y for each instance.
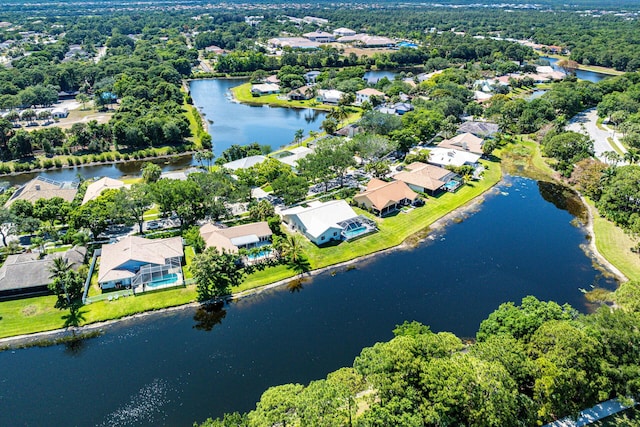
(632, 156)
(293, 253)
(58, 269)
(612, 157)
(298, 136)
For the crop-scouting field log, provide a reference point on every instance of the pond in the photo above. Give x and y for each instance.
(233, 123)
(174, 368)
(591, 76)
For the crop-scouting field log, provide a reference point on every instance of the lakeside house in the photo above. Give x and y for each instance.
(28, 275)
(343, 32)
(330, 96)
(142, 264)
(323, 222)
(311, 76)
(429, 179)
(96, 188)
(44, 188)
(464, 142)
(302, 93)
(443, 157)
(364, 95)
(383, 198)
(264, 89)
(244, 163)
(232, 239)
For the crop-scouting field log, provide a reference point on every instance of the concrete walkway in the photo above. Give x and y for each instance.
(586, 123)
(593, 414)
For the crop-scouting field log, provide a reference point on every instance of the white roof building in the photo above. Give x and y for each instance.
(330, 96)
(291, 156)
(244, 163)
(342, 32)
(320, 222)
(448, 157)
(96, 188)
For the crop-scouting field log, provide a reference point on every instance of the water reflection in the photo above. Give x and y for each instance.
(563, 198)
(209, 315)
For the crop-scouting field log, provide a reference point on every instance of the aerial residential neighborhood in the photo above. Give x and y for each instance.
(288, 214)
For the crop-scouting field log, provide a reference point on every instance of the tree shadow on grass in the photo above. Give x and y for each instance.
(75, 316)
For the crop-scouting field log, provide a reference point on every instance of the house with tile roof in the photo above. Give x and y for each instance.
(96, 188)
(383, 197)
(464, 142)
(44, 188)
(426, 178)
(232, 239)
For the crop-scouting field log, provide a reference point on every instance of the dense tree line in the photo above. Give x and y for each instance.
(532, 362)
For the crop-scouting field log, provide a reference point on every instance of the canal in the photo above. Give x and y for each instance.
(174, 368)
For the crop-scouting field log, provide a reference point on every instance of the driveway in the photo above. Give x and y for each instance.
(586, 123)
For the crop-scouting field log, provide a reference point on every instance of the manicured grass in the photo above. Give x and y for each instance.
(132, 180)
(189, 253)
(195, 124)
(615, 245)
(396, 229)
(265, 277)
(152, 213)
(243, 94)
(37, 314)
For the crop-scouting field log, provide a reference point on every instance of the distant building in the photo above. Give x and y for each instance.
(366, 40)
(43, 188)
(311, 76)
(315, 20)
(479, 129)
(60, 113)
(364, 95)
(301, 94)
(320, 37)
(343, 32)
(293, 43)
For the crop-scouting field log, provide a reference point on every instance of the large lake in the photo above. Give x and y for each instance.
(234, 123)
(167, 369)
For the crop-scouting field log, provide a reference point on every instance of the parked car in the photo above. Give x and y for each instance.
(153, 225)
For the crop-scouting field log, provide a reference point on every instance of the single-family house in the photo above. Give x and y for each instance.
(244, 163)
(442, 157)
(44, 188)
(320, 37)
(402, 107)
(323, 222)
(426, 178)
(180, 175)
(302, 93)
(96, 188)
(27, 274)
(215, 50)
(59, 113)
(349, 130)
(293, 43)
(264, 89)
(142, 264)
(464, 142)
(364, 95)
(479, 129)
(311, 76)
(385, 197)
(342, 32)
(292, 155)
(232, 239)
(330, 96)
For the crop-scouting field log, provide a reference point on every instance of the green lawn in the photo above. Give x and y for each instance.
(37, 314)
(614, 244)
(243, 94)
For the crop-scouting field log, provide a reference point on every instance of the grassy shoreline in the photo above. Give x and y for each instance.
(22, 317)
(594, 68)
(242, 94)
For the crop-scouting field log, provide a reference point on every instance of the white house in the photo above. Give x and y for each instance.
(342, 32)
(364, 95)
(320, 37)
(264, 89)
(330, 96)
(140, 263)
(59, 113)
(96, 188)
(325, 222)
(232, 239)
(244, 163)
(449, 157)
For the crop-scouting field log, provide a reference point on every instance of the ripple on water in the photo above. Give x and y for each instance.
(144, 406)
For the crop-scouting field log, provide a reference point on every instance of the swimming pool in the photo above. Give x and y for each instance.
(351, 233)
(452, 185)
(262, 254)
(166, 280)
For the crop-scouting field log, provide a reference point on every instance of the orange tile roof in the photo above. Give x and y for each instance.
(381, 194)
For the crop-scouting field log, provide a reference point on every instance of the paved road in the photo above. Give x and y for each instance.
(586, 123)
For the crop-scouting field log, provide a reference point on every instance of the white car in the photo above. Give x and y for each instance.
(153, 225)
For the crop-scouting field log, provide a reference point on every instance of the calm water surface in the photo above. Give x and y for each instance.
(581, 74)
(175, 368)
(234, 123)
